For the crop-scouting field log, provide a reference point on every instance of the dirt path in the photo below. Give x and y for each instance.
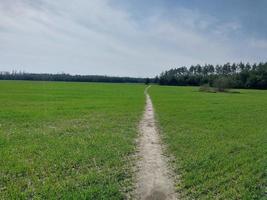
(153, 176)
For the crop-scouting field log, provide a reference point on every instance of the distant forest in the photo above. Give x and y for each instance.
(68, 78)
(230, 75)
(233, 75)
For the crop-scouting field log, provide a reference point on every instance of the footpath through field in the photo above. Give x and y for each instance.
(153, 177)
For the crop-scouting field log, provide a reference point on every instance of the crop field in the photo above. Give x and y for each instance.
(67, 140)
(62, 140)
(219, 141)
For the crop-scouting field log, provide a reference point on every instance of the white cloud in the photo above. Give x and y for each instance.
(94, 37)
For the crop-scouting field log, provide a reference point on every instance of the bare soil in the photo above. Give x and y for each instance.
(154, 180)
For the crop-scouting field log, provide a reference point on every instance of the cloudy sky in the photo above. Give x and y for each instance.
(129, 38)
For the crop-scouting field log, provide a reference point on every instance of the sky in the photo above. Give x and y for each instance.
(139, 38)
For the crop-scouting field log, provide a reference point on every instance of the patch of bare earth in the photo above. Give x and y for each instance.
(153, 181)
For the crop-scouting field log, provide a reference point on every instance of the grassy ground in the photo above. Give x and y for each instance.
(67, 140)
(219, 141)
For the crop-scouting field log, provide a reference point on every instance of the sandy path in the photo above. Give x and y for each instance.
(153, 176)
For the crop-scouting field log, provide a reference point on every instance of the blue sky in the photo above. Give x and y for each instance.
(129, 38)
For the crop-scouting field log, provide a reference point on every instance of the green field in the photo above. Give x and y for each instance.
(219, 141)
(75, 140)
(67, 140)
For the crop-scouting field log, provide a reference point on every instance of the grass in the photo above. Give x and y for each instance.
(67, 140)
(74, 140)
(219, 141)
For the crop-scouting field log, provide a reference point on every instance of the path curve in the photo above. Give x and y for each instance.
(154, 180)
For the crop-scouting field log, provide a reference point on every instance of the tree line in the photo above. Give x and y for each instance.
(67, 77)
(233, 75)
(229, 75)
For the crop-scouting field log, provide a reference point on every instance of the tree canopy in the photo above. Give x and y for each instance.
(67, 77)
(239, 75)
